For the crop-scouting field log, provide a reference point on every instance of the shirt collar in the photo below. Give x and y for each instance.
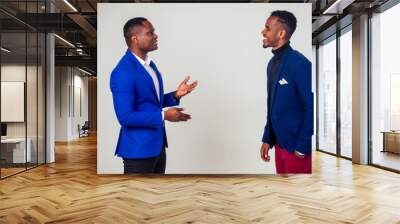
(143, 62)
(278, 52)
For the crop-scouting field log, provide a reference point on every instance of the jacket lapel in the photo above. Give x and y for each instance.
(160, 81)
(130, 55)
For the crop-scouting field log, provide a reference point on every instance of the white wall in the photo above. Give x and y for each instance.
(33, 127)
(80, 84)
(17, 73)
(68, 81)
(220, 45)
(14, 72)
(61, 103)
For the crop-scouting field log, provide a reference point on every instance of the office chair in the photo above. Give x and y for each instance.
(84, 130)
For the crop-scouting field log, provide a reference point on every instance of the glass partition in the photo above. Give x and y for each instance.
(22, 88)
(327, 96)
(385, 89)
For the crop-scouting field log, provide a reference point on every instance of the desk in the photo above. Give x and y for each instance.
(15, 148)
(391, 141)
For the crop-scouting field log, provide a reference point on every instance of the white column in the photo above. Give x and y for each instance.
(360, 90)
(50, 110)
(50, 91)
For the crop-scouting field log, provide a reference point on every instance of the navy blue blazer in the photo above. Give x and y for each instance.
(291, 107)
(138, 110)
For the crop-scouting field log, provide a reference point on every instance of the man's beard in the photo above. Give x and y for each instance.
(266, 46)
(270, 44)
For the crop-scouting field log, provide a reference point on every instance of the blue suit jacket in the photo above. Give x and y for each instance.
(290, 112)
(138, 109)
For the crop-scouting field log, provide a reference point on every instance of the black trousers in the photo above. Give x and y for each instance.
(146, 165)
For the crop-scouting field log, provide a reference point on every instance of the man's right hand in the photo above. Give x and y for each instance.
(175, 114)
(264, 152)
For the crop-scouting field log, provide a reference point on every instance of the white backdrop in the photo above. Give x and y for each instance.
(220, 45)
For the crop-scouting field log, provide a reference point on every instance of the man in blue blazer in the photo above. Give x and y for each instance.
(289, 125)
(138, 95)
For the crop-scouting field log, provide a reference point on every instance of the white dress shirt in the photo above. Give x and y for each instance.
(146, 65)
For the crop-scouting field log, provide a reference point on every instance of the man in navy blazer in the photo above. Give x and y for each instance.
(138, 95)
(289, 125)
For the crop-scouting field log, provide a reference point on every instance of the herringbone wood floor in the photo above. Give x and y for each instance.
(70, 191)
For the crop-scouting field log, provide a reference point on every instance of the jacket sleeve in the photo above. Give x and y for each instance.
(303, 84)
(170, 100)
(266, 136)
(124, 98)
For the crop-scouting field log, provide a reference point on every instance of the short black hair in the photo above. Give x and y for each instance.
(287, 19)
(130, 24)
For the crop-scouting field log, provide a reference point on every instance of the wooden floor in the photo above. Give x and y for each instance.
(70, 191)
(5, 172)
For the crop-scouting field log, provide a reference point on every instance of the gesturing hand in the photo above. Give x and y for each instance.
(175, 115)
(184, 88)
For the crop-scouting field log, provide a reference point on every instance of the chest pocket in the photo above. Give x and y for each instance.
(285, 88)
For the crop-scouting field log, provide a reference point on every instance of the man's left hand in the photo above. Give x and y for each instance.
(184, 88)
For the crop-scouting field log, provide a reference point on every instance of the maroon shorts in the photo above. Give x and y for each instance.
(287, 162)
